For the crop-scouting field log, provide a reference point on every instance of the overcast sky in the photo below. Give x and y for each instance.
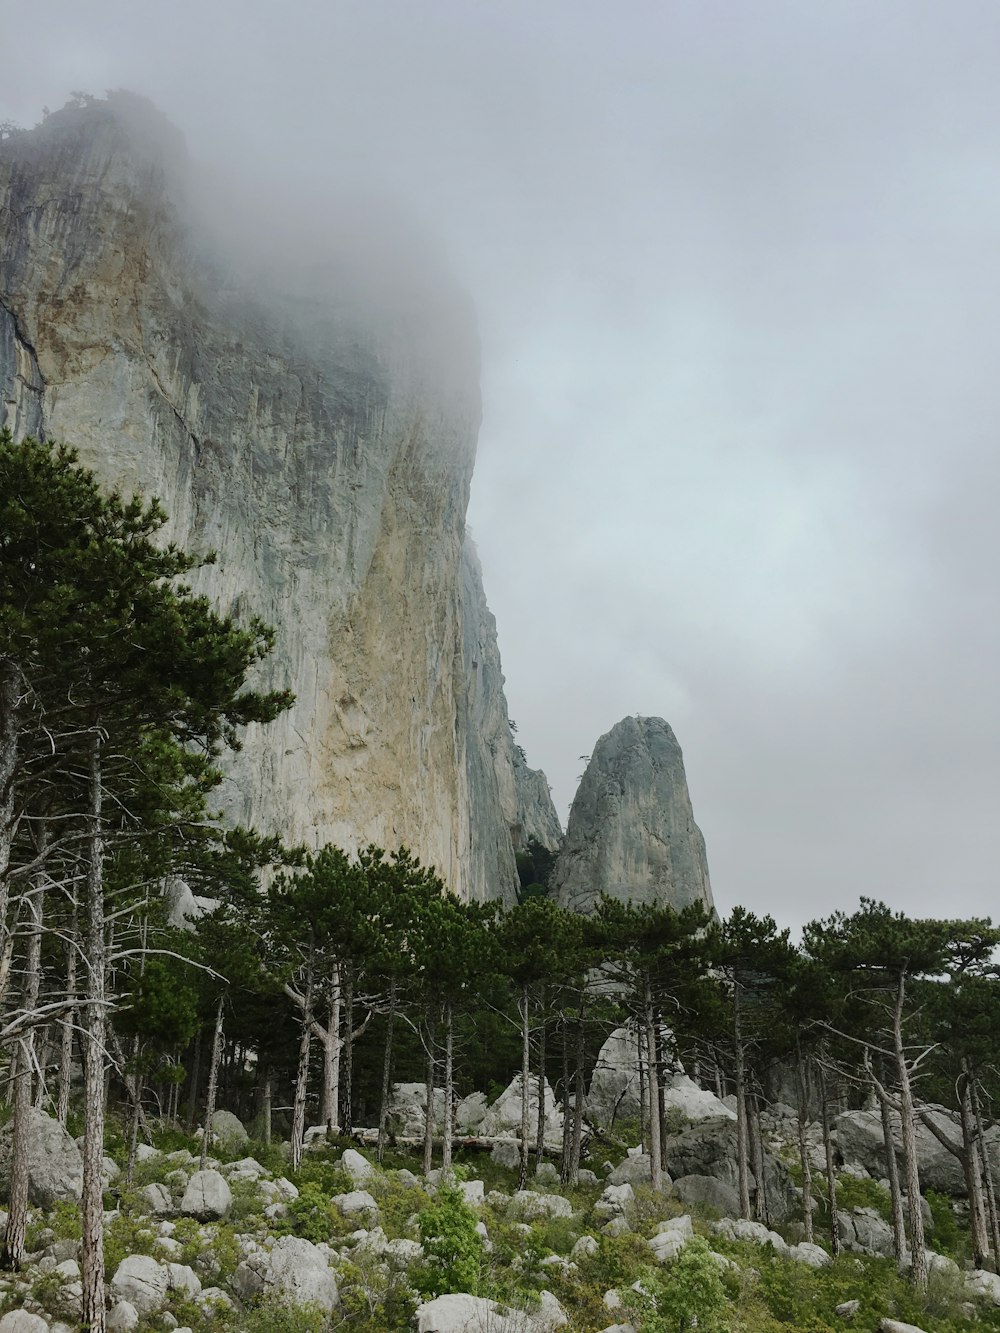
(737, 273)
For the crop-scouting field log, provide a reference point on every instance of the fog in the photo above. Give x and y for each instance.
(736, 271)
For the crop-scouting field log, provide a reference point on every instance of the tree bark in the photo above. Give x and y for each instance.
(383, 1108)
(973, 1167)
(653, 1084)
(93, 1302)
(429, 1103)
(540, 1128)
(522, 1177)
(302, 1074)
(757, 1156)
(567, 1111)
(213, 1084)
(24, 1059)
(991, 1195)
(895, 1192)
(449, 1088)
(331, 1055)
(831, 1174)
(577, 1141)
(346, 1111)
(918, 1252)
(68, 1024)
(742, 1137)
(9, 707)
(807, 1196)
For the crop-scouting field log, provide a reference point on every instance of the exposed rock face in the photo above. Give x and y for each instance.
(499, 781)
(631, 831)
(55, 1167)
(317, 428)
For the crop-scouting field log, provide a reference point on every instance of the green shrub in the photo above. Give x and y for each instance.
(272, 1315)
(687, 1293)
(312, 1215)
(126, 1235)
(453, 1248)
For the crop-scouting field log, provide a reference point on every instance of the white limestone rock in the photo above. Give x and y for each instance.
(207, 1197)
(504, 1114)
(298, 419)
(142, 1282)
(229, 1131)
(55, 1166)
(357, 1167)
(631, 832)
(527, 1205)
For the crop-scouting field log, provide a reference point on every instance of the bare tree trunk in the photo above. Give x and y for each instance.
(429, 1103)
(522, 1176)
(346, 1112)
(383, 1109)
(972, 1165)
(807, 1196)
(895, 1192)
(24, 1059)
(93, 1302)
(653, 1083)
(991, 1195)
(192, 1111)
(742, 1136)
(9, 702)
(331, 1055)
(577, 1142)
(642, 1059)
(68, 1023)
(567, 1111)
(757, 1153)
(831, 1174)
(213, 1084)
(540, 1130)
(918, 1252)
(449, 1088)
(302, 1074)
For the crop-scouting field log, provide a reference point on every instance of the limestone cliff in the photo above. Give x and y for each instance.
(318, 431)
(499, 778)
(631, 831)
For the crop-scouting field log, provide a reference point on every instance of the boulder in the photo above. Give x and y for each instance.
(408, 1109)
(55, 1166)
(207, 1197)
(507, 1154)
(294, 1268)
(357, 1167)
(709, 1149)
(142, 1282)
(470, 1113)
(550, 1314)
(460, 1313)
(633, 1170)
(585, 1248)
(670, 1238)
(985, 1284)
(229, 1131)
(527, 1205)
(709, 1192)
(156, 1199)
(504, 1115)
(808, 1253)
(754, 1232)
(21, 1321)
(357, 1202)
(614, 1200)
(864, 1230)
(860, 1141)
(123, 1318)
(895, 1326)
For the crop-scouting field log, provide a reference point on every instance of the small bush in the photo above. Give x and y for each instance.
(453, 1248)
(687, 1294)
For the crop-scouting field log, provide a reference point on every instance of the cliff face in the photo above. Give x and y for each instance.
(319, 436)
(631, 831)
(499, 779)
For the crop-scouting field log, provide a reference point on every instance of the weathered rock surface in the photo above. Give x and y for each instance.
(293, 1268)
(631, 831)
(310, 412)
(504, 1114)
(709, 1149)
(207, 1197)
(861, 1141)
(142, 1282)
(229, 1131)
(55, 1167)
(498, 776)
(709, 1191)
(614, 1086)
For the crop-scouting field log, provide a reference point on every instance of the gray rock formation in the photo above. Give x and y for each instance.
(55, 1167)
(498, 778)
(631, 831)
(309, 411)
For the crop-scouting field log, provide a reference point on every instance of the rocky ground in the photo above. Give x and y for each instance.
(245, 1244)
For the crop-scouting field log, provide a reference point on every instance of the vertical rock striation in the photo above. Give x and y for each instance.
(631, 831)
(314, 426)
